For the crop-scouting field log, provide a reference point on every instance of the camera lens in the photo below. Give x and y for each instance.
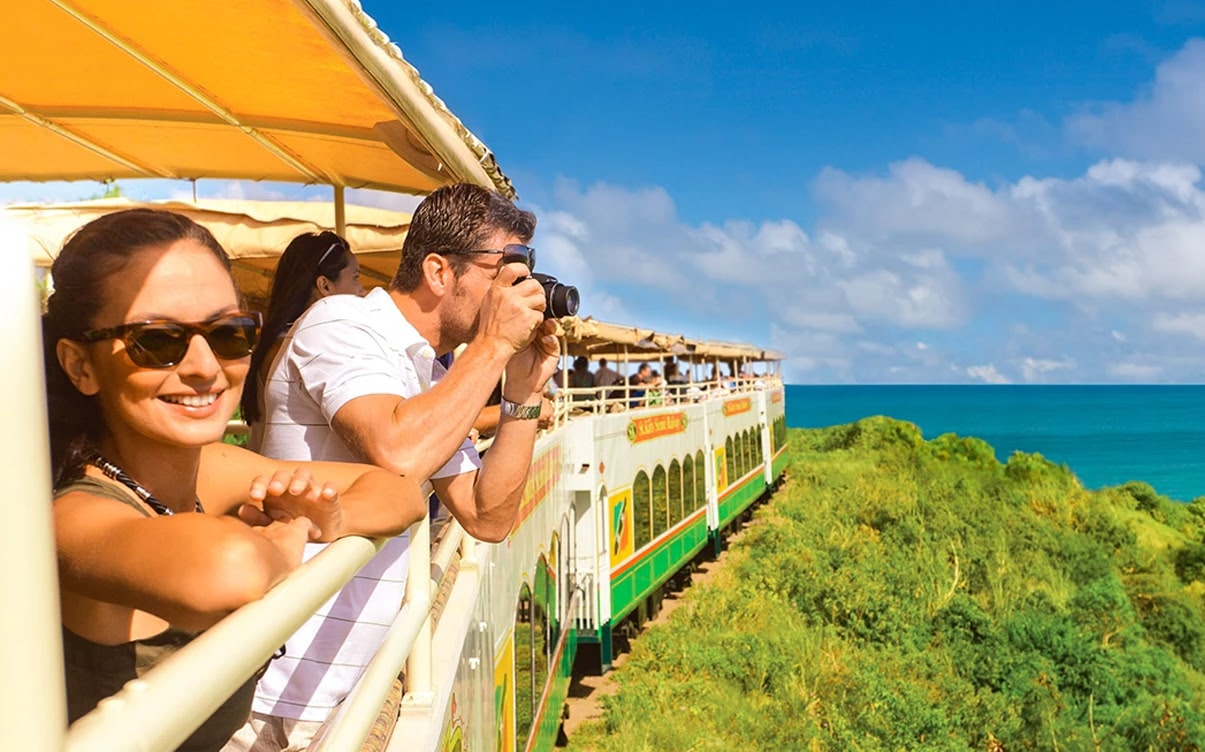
(560, 300)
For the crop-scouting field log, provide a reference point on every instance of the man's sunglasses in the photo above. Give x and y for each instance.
(162, 344)
(513, 253)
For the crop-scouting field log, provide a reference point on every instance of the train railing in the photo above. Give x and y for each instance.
(623, 396)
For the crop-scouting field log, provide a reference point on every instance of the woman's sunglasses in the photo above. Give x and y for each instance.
(513, 253)
(162, 344)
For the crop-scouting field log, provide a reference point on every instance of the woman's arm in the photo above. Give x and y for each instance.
(189, 569)
(342, 499)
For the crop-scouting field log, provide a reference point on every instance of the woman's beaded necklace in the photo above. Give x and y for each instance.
(116, 473)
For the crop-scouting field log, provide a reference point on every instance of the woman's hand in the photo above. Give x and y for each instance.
(288, 495)
(289, 536)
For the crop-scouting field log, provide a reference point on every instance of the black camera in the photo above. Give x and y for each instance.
(560, 300)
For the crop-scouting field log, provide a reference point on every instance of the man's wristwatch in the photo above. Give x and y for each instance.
(521, 412)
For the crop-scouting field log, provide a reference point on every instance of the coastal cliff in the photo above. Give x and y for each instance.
(899, 593)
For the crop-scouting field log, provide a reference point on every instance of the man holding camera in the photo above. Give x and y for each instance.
(357, 380)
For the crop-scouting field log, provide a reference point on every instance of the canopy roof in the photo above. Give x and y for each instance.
(254, 233)
(618, 342)
(303, 91)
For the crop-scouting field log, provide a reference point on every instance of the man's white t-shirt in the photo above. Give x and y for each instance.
(343, 347)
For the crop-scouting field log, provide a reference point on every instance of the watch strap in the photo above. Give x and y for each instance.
(520, 412)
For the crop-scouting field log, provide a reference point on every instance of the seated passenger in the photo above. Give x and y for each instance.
(580, 377)
(627, 389)
(161, 529)
(675, 381)
(653, 393)
(605, 376)
(313, 266)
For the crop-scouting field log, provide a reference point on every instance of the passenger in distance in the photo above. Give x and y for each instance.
(313, 266)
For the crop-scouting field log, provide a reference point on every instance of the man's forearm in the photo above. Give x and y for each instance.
(443, 415)
(503, 476)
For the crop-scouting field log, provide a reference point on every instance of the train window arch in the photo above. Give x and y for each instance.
(642, 515)
(660, 502)
(676, 509)
(740, 454)
(730, 459)
(761, 448)
(552, 584)
(700, 480)
(688, 484)
(746, 451)
(526, 671)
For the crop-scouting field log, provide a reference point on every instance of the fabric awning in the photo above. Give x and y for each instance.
(254, 233)
(305, 91)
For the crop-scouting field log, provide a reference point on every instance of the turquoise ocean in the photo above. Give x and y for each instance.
(1107, 435)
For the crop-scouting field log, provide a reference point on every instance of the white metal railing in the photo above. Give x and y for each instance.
(406, 643)
(571, 611)
(622, 396)
(34, 707)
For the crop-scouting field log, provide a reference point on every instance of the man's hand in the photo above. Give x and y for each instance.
(547, 413)
(510, 313)
(531, 368)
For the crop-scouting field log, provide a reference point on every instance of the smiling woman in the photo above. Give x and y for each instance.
(146, 354)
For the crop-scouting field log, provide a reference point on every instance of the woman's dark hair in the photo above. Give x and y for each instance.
(94, 253)
(307, 257)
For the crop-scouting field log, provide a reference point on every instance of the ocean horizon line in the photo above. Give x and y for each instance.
(1107, 434)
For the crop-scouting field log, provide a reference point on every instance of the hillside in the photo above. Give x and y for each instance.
(904, 594)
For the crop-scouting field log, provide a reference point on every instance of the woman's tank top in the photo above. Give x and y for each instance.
(96, 671)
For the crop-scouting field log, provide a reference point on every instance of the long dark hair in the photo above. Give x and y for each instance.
(97, 251)
(307, 257)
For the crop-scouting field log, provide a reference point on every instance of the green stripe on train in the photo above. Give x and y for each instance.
(635, 584)
(740, 499)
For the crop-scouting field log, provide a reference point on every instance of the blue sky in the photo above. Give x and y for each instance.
(886, 192)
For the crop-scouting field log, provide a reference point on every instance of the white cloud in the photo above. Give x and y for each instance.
(987, 374)
(916, 250)
(1164, 122)
(1036, 369)
(1135, 372)
(916, 203)
(1191, 324)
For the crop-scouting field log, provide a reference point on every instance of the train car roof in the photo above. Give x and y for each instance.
(306, 91)
(619, 342)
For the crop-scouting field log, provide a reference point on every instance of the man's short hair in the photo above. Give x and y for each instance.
(458, 217)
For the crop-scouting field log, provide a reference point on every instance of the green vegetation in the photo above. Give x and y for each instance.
(899, 594)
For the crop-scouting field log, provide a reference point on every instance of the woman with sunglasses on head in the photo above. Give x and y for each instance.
(313, 266)
(146, 353)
